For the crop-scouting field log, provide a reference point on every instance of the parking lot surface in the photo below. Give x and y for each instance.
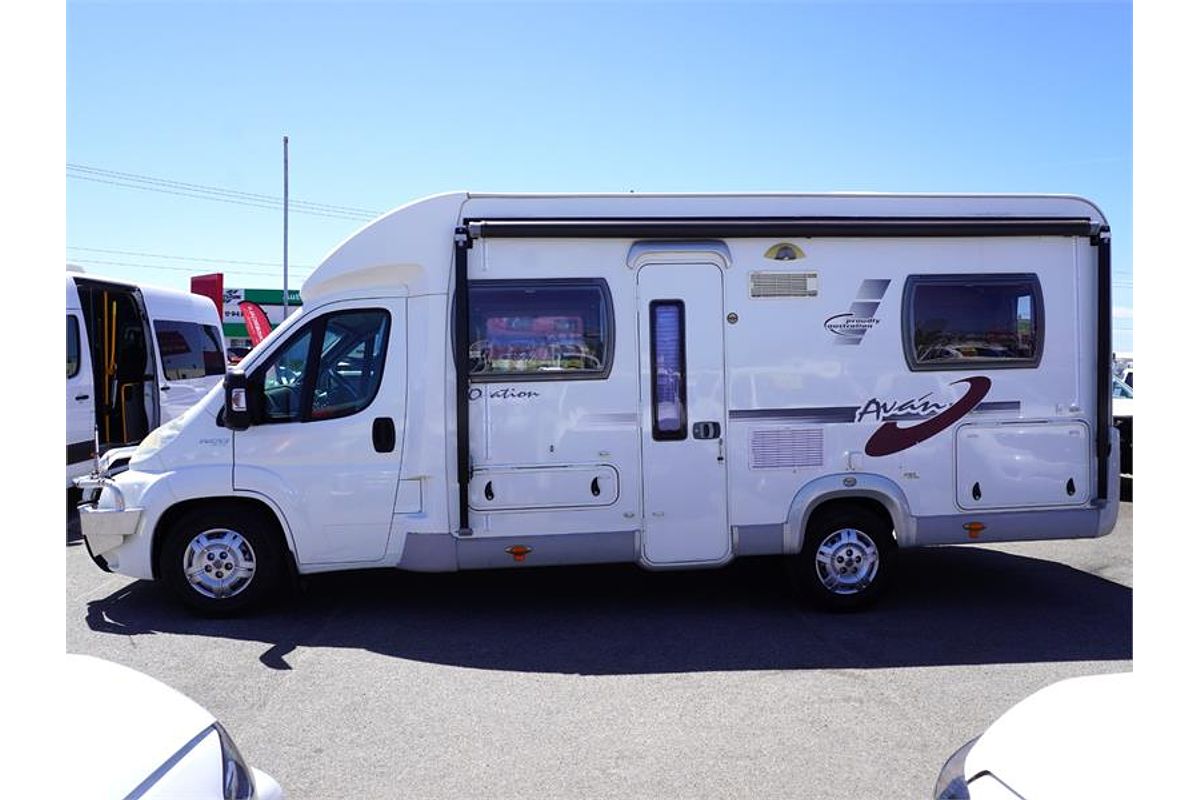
(614, 682)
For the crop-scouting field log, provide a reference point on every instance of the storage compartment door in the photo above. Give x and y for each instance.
(1023, 465)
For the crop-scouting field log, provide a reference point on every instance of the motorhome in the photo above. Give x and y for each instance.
(137, 356)
(486, 380)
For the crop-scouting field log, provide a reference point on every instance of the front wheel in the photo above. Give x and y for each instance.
(846, 560)
(222, 561)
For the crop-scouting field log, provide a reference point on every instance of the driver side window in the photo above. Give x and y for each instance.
(283, 381)
(331, 369)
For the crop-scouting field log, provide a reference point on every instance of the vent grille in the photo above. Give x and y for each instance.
(783, 284)
(780, 448)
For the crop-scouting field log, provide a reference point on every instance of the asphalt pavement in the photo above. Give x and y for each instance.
(608, 681)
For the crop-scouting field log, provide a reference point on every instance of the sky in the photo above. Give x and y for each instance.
(387, 102)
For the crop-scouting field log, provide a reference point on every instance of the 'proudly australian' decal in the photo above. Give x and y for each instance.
(850, 327)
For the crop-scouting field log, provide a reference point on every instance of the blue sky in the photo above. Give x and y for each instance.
(386, 102)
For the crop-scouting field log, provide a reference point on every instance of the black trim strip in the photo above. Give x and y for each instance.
(828, 414)
(79, 451)
(804, 227)
(462, 345)
(1103, 360)
(836, 414)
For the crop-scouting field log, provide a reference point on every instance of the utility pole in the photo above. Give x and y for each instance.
(285, 226)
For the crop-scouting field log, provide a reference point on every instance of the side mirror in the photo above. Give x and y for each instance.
(237, 407)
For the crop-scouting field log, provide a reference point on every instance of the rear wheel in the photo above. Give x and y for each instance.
(847, 557)
(222, 561)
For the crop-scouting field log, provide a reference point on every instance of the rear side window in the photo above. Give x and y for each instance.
(972, 321)
(540, 330)
(189, 350)
(72, 346)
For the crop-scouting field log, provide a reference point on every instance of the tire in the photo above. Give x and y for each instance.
(863, 541)
(233, 555)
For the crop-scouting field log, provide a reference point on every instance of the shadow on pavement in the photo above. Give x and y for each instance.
(950, 606)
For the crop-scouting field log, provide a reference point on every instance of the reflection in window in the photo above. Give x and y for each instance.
(189, 350)
(539, 328)
(973, 321)
(667, 354)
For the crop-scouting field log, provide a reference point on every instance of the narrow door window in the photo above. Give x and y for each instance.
(72, 346)
(668, 388)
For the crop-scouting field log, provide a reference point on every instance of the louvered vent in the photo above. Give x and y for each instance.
(777, 448)
(783, 284)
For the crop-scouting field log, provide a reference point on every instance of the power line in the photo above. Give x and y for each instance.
(199, 192)
(185, 258)
(267, 206)
(132, 176)
(90, 261)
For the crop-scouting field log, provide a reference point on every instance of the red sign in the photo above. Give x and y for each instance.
(213, 287)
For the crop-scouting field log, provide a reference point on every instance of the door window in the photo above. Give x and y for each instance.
(331, 369)
(669, 362)
(72, 346)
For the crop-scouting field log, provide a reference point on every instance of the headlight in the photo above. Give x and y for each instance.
(952, 782)
(236, 779)
(158, 438)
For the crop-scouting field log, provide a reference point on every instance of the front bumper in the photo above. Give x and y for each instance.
(104, 518)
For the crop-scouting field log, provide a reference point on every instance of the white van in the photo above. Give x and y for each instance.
(671, 380)
(136, 356)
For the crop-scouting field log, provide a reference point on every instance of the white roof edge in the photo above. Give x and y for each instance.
(1095, 213)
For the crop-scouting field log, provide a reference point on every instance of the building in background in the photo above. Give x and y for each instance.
(237, 337)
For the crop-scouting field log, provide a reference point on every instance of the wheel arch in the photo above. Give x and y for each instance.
(874, 492)
(242, 502)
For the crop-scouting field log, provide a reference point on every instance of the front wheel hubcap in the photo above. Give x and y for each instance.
(847, 561)
(219, 563)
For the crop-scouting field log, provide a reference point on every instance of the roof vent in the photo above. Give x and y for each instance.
(783, 284)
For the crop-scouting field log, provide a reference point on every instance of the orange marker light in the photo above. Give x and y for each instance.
(973, 529)
(518, 551)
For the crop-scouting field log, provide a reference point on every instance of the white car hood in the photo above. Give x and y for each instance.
(1070, 739)
(124, 725)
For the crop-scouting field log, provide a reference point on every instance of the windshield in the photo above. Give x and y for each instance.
(1122, 389)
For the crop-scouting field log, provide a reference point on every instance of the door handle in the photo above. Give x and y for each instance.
(383, 434)
(164, 388)
(82, 396)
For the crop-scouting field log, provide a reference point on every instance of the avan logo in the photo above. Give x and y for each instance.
(890, 438)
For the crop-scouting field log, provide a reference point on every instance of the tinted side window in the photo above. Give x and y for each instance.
(337, 375)
(351, 363)
(72, 346)
(972, 321)
(547, 329)
(188, 349)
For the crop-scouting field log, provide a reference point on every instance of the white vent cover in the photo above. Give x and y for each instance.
(779, 448)
(783, 284)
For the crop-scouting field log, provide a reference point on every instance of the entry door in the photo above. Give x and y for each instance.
(328, 430)
(81, 400)
(682, 394)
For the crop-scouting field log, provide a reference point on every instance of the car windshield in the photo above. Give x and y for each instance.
(1122, 389)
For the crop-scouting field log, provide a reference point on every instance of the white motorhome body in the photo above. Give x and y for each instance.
(672, 380)
(137, 356)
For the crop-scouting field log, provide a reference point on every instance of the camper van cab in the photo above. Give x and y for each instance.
(136, 356)
(481, 381)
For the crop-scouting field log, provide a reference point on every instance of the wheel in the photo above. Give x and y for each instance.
(222, 561)
(847, 557)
